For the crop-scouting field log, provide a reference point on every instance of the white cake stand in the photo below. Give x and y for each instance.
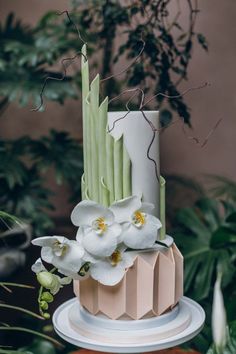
(75, 325)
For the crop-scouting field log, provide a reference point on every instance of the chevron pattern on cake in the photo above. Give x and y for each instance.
(151, 287)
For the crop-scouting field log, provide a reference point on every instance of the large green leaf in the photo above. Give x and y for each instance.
(207, 239)
(223, 236)
(189, 218)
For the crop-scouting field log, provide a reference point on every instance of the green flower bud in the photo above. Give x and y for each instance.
(43, 305)
(46, 316)
(45, 279)
(47, 296)
(84, 269)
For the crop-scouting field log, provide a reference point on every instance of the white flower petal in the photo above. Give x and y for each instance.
(87, 211)
(82, 231)
(69, 272)
(65, 280)
(47, 254)
(107, 274)
(147, 208)
(47, 240)
(38, 266)
(90, 258)
(71, 261)
(124, 209)
(144, 237)
(80, 234)
(100, 245)
(115, 228)
(152, 219)
(127, 260)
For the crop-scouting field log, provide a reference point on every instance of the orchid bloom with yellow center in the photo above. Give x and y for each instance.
(99, 225)
(115, 258)
(59, 248)
(98, 231)
(139, 218)
(66, 255)
(139, 226)
(111, 270)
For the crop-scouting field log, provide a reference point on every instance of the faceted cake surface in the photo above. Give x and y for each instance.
(152, 286)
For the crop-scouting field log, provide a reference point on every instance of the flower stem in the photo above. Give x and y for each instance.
(6, 284)
(27, 330)
(17, 308)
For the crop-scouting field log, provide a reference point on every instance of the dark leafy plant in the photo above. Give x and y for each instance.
(22, 66)
(208, 240)
(206, 235)
(58, 150)
(180, 188)
(39, 346)
(22, 170)
(45, 341)
(7, 287)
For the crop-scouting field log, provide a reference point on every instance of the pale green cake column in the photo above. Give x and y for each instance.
(85, 91)
(107, 166)
(162, 208)
(118, 168)
(94, 106)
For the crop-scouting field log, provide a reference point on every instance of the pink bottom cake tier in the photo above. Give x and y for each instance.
(151, 287)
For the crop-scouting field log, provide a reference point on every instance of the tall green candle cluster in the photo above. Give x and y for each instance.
(107, 166)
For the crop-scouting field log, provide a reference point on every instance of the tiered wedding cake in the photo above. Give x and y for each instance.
(123, 264)
(119, 166)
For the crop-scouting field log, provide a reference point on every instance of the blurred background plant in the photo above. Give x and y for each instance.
(39, 337)
(206, 234)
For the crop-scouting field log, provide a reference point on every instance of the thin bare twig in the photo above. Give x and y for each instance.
(196, 139)
(64, 66)
(154, 130)
(135, 90)
(63, 61)
(73, 24)
(176, 96)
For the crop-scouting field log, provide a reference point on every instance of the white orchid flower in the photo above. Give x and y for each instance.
(140, 228)
(64, 254)
(110, 271)
(98, 233)
(219, 322)
(48, 280)
(38, 266)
